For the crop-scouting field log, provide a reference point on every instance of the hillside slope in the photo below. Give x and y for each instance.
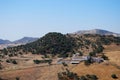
(64, 45)
(25, 40)
(97, 31)
(4, 41)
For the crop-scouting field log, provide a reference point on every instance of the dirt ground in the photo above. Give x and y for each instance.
(103, 71)
(46, 72)
(34, 73)
(113, 53)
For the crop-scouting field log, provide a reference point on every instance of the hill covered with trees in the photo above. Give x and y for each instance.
(51, 43)
(63, 45)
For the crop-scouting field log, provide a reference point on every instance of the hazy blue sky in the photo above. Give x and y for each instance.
(19, 18)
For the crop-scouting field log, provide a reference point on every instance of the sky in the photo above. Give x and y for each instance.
(34, 18)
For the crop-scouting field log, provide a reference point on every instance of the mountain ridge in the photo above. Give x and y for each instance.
(22, 40)
(25, 40)
(97, 31)
(4, 41)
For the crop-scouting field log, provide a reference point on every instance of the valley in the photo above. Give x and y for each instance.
(45, 71)
(91, 55)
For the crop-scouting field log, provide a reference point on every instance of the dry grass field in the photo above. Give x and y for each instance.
(103, 70)
(113, 53)
(34, 73)
(30, 71)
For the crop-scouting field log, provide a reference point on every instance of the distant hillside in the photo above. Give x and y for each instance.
(97, 31)
(7, 43)
(4, 41)
(64, 45)
(51, 43)
(25, 40)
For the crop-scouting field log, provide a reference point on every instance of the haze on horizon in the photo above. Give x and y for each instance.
(34, 18)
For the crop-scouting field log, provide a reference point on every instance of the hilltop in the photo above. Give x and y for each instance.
(22, 41)
(4, 41)
(25, 40)
(97, 31)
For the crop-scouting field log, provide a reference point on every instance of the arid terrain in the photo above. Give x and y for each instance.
(49, 72)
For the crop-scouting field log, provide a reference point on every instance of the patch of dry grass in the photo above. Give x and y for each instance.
(34, 73)
(103, 71)
(113, 53)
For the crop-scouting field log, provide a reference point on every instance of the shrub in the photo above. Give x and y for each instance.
(92, 54)
(80, 53)
(1, 66)
(104, 57)
(8, 61)
(114, 76)
(42, 61)
(14, 62)
(1, 78)
(64, 64)
(17, 78)
(88, 62)
(83, 78)
(93, 77)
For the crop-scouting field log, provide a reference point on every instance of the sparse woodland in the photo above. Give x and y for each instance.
(63, 45)
(59, 45)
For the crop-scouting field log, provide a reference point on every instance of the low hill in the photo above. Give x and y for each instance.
(4, 41)
(51, 43)
(25, 40)
(97, 31)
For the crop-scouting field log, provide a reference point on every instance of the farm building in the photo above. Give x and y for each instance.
(97, 59)
(77, 59)
(75, 62)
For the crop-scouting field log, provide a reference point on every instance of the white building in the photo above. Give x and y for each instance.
(77, 59)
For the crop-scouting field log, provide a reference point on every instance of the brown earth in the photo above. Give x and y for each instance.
(46, 72)
(103, 71)
(113, 53)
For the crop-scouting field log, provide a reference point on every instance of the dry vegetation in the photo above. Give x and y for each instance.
(28, 71)
(113, 52)
(35, 73)
(103, 71)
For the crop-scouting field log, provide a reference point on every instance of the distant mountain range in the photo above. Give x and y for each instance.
(4, 41)
(97, 31)
(24, 40)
